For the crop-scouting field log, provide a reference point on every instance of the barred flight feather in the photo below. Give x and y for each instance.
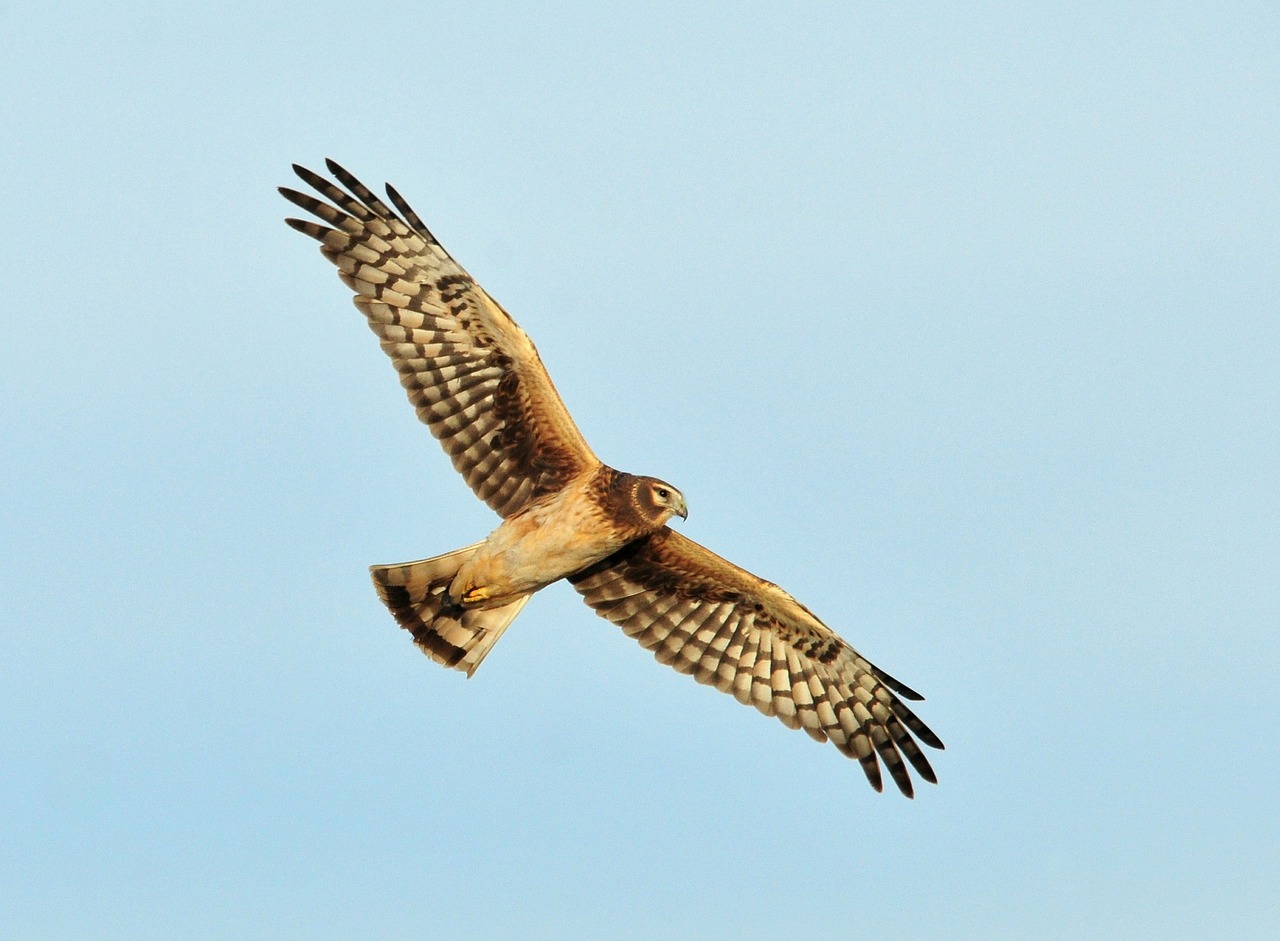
(420, 302)
(665, 591)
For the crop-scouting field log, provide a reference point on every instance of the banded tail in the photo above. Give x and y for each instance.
(416, 593)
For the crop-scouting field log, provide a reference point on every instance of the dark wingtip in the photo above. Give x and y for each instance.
(899, 687)
(924, 770)
(903, 780)
(335, 168)
(312, 229)
(407, 213)
(928, 736)
(299, 199)
(873, 777)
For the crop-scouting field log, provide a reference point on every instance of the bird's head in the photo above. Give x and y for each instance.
(659, 501)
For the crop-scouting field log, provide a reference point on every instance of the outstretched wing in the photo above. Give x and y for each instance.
(470, 371)
(704, 616)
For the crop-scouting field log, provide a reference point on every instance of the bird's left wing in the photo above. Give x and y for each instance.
(705, 616)
(473, 375)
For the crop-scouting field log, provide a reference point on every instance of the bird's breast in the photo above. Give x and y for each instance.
(543, 543)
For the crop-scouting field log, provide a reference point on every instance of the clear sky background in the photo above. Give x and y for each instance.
(959, 321)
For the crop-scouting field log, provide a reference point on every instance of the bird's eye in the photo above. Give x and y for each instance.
(663, 492)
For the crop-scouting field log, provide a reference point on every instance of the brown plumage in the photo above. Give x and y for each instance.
(478, 384)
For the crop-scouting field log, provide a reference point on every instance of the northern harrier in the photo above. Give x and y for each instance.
(478, 384)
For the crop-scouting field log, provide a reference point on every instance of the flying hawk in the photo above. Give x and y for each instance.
(478, 384)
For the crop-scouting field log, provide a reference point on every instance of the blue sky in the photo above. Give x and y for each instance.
(959, 323)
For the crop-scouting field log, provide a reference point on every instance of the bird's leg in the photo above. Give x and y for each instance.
(474, 595)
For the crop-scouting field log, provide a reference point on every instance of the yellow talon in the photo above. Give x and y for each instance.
(473, 595)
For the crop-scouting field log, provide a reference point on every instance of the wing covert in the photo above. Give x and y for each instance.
(474, 377)
(704, 616)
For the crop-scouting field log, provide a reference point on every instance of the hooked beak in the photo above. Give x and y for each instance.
(682, 511)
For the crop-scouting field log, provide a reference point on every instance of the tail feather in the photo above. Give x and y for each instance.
(416, 593)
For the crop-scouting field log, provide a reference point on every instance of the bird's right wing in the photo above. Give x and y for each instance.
(473, 375)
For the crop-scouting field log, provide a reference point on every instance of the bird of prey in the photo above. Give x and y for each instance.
(480, 387)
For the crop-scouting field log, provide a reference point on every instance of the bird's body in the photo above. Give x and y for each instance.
(477, 382)
(558, 535)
